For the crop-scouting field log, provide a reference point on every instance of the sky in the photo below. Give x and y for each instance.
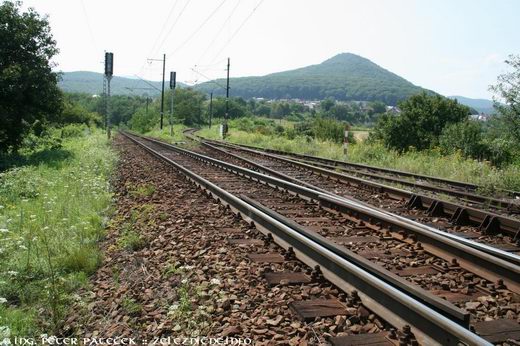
(454, 47)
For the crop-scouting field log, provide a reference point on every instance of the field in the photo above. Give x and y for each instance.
(429, 162)
(52, 214)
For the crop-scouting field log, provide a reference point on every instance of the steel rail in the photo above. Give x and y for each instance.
(505, 255)
(487, 221)
(337, 163)
(470, 197)
(479, 246)
(433, 240)
(394, 306)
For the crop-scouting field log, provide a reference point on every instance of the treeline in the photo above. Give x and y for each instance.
(30, 101)
(437, 123)
(192, 108)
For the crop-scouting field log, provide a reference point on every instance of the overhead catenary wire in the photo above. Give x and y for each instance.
(165, 24)
(238, 29)
(209, 79)
(150, 84)
(91, 34)
(219, 31)
(206, 20)
(176, 20)
(174, 24)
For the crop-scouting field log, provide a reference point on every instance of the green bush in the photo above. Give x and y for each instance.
(323, 129)
(501, 151)
(33, 143)
(74, 130)
(74, 113)
(420, 123)
(466, 137)
(144, 122)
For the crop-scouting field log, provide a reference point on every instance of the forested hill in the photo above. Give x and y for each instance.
(480, 105)
(92, 83)
(344, 77)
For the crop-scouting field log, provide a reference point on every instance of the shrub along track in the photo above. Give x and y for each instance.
(405, 258)
(172, 268)
(393, 200)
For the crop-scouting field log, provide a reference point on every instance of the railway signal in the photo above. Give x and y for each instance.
(109, 72)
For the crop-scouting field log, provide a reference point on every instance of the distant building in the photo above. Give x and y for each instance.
(480, 117)
(393, 110)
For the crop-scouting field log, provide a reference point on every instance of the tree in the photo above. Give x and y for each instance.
(187, 106)
(280, 109)
(377, 107)
(236, 108)
(327, 104)
(464, 136)
(507, 90)
(28, 87)
(420, 123)
(74, 113)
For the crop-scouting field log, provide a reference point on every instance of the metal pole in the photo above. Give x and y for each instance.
(225, 128)
(109, 125)
(210, 108)
(109, 71)
(147, 101)
(171, 114)
(104, 103)
(162, 90)
(345, 140)
(173, 77)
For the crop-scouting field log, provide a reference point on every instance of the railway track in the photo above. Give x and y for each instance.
(482, 225)
(506, 206)
(355, 244)
(442, 185)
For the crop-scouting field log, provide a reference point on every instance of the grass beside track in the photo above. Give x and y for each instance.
(164, 134)
(51, 218)
(429, 162)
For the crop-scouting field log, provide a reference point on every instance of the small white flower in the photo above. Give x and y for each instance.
(4, 230)
(2, 207)
(3, 300)
(215, 281)
(172, 309)
(184, 281)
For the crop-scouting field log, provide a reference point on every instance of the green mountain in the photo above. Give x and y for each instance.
(92, 83)
(480, 105)
(344, 77)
